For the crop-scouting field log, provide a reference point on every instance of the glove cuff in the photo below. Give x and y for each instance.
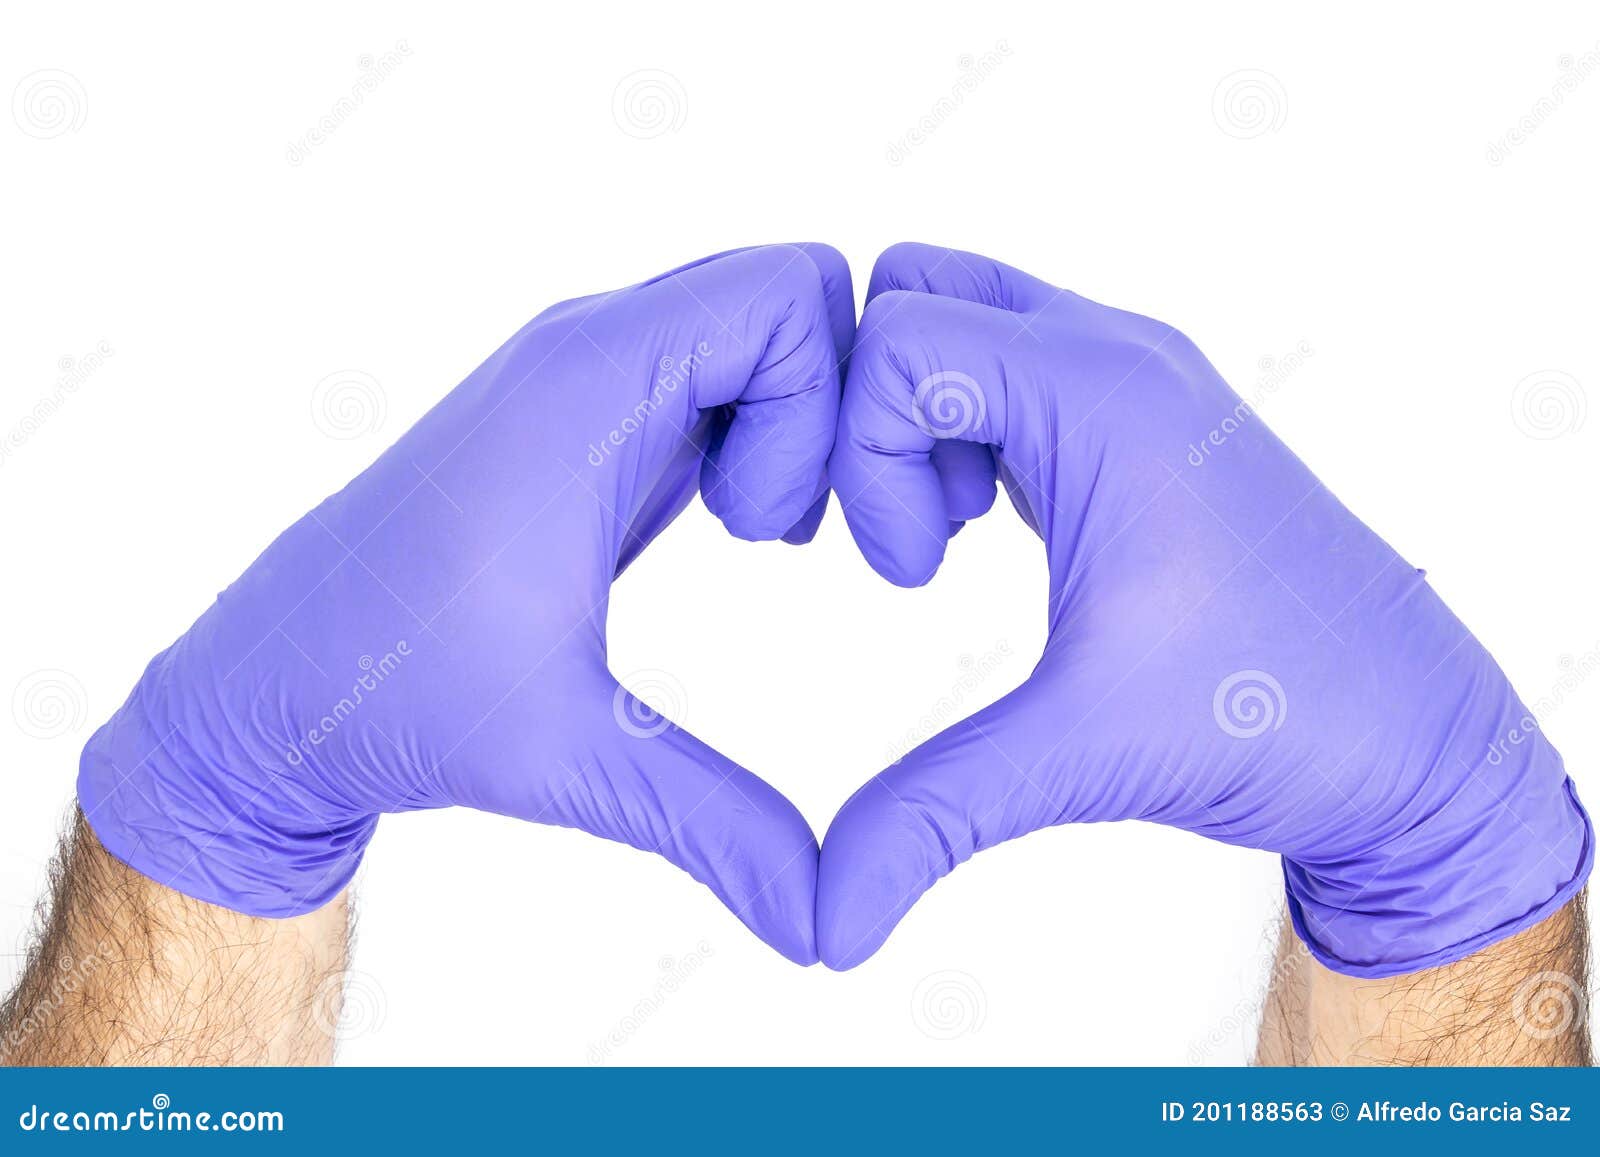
(196, 815)
(1444, 890)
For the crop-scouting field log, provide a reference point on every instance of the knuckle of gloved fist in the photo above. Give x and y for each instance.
(893, 323)
(789, 273)
(905, 258)
(829, 262)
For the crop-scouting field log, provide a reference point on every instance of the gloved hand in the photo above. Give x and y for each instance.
(1230, 650)
(434, 633)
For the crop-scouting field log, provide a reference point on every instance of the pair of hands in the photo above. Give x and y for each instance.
(1230, 650)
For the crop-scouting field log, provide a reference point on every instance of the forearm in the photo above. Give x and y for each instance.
(1523, 1001)
(126, 971)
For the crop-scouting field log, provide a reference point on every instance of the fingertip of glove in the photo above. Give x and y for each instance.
(898, 264)
(795, 941)
(810, 522)
(904, 562)
(843, 963)
(752, 526)
(906, 574)
(841, 946)
(745, 517)
(830, 262)
(805, 957)
(777, 898)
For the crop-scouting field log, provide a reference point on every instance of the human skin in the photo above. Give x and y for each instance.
(125, 971)
(1519, 1002)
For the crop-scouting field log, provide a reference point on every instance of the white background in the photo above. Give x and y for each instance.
(1355, 206)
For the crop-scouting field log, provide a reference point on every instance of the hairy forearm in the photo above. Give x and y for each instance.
(126, 971)
(1523, 1001)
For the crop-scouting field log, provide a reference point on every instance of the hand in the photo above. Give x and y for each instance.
(1230, 650)
(434, 634)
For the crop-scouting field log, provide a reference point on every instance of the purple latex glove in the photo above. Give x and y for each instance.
(1230, 650)
(435, 633)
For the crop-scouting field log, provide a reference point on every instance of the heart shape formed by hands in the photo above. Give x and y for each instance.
(1230, 650)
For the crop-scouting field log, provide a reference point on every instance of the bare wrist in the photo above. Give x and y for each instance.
(127, 971)
(1520, 1001)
